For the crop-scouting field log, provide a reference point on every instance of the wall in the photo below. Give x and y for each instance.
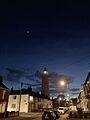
(13, 103)
(24, 103)
(4, 94)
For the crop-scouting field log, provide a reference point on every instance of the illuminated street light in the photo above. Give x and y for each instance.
(60, 99)
(68, 95)
(65, 83)
(62, 83)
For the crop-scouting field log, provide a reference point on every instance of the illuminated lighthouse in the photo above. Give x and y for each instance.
(45, 83)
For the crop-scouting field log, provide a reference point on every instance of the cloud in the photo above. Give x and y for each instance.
(74, 89)
(15, 71)
(55, 78)
(15, 75)
(35, 79)
(54, 82)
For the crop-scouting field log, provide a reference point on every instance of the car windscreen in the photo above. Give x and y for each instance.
(60, 108)
(47, 113)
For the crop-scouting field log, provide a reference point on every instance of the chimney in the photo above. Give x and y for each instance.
(12, 89)
(29, 89)
(1, 79)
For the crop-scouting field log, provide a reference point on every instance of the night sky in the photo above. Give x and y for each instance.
(36, 34)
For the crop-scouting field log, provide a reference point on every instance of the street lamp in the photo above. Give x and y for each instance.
(65, 83)
(62, 83)
(68, 95)
(60, 99)
(20, 97)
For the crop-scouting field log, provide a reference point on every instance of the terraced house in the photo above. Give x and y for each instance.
(27, 100)
(4, 94)
(84, 95)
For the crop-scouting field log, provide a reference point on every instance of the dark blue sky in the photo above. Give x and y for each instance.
(38, 34)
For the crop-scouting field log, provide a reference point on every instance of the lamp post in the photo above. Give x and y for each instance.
(65, 83)
(60, 101)
(62, 83)
(20, 97)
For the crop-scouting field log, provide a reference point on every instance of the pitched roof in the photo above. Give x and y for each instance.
(1, 83)
(23, 91)
(27, 91)
(87, 78)
(3, 86)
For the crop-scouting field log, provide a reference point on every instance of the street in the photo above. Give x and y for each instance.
(45, 59)
(25, 116)
(37, 116)
(63, 117)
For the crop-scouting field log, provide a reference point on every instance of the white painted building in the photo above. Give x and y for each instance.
(84, 100)
(4, 94)
(84, 96)
(14, 103)
(27, 101)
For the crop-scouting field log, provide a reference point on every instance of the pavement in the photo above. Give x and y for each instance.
(65, 117)
(33, 115)
(78, 119)
(30, 114)
(12, 118)
(23, 115)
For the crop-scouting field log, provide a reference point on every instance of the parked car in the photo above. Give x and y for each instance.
(57, 113)
(61, 110)
(48, 115)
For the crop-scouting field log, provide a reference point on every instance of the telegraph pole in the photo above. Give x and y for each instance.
(20, 97)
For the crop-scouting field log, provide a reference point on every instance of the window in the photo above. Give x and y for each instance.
(14, 97)
(31, 98)
(13, 105)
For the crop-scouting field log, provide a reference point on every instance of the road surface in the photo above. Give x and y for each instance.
(37, 116)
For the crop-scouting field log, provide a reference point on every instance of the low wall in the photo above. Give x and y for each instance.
(12, 114)
(2, 115)
(9, 114)
(79, 115)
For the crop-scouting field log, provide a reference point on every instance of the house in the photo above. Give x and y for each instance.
(26, 100)
(84, 95)
(4, 94)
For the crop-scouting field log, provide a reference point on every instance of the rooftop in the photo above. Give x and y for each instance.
(1, 84)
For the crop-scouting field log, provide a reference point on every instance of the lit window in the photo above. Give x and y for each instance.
(88, 82)
(31, 98)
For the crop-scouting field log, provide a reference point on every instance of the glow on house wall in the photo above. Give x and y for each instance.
(31, 98)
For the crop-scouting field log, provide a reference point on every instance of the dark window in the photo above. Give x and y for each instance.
(13, 105)
(14, 97)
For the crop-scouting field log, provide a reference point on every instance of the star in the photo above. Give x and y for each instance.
(27, 31)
